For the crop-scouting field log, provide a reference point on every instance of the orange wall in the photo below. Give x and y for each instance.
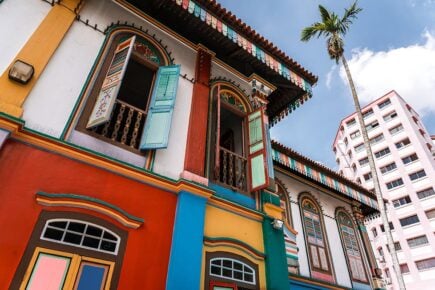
(24, 170)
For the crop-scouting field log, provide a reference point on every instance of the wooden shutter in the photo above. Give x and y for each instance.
(112, 82)
(158, 123)
(257, 155)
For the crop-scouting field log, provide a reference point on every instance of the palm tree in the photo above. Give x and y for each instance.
(334, 28)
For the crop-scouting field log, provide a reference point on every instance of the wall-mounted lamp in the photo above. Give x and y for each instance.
(277, 224)
(21, 72)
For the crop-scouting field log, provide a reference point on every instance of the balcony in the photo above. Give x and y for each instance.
(124, 127)
(232, 170)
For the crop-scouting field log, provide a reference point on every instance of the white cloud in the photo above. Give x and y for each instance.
(329, 76)
(410, 71)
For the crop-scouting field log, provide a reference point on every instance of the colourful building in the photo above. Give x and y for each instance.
(135, 154)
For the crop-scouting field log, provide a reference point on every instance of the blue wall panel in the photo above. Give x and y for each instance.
(184, 270)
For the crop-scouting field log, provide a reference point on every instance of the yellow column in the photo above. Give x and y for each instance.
(37, 52)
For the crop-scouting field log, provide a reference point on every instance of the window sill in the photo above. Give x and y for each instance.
(397, 187)
(389, 171)
(395, 133)
(410, 226)
(426, 197)
(403, 205)
(406, 146)
(383, 156)
(412, 162)
(419, 246)
(419, 179)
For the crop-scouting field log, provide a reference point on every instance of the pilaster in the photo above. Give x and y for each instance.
(37, 51)
(197, 135)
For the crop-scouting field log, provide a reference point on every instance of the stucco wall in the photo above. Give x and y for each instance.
(16, 28)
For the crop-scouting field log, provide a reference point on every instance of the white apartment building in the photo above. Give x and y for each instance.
(404, 158)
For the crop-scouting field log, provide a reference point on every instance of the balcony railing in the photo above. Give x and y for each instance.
(232, 170)
(124, 127)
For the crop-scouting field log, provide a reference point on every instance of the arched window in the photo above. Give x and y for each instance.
(284, 203)
(226, 270)
(351, 246)
(232, 270)
(131, 94)
(71, 251)
(317, 246)
(81, 234)
(238, 141)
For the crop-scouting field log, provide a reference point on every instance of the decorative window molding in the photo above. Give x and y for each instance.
(226, 267)
(131, 95)
(351, 246)
(315, 239)
(90, 203)
(67, 263)
(81, 234)
(232, 269)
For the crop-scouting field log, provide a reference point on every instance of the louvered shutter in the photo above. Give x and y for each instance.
(158, 123)
(112, 82)
(257, 160)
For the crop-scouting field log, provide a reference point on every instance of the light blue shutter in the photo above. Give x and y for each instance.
(257, 151)
(158, 123)
(112, 82)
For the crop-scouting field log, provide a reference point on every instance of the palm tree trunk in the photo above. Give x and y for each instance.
(374, 176)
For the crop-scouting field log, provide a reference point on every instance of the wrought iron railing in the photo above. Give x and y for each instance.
(232, 170)
(124, 127)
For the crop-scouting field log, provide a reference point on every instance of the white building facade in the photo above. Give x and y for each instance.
(403, 153)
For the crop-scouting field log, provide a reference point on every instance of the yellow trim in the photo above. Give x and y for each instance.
(86, 205)
(37, 51)
(224, 205)
(66, 150)
(273, 210)
(73, 269)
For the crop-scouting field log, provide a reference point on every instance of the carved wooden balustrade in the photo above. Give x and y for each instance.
(233, 169)
(124, 127)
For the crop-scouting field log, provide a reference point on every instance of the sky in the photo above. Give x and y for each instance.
(391, 46)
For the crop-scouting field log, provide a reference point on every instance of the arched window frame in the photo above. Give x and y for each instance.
(253, 175)
(212, 281)
(351, 246)
(87, 226)
(121, 123)
(284, 203)
(316, 246)
(245, 270)
(78, 256)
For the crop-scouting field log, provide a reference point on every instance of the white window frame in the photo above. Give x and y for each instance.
(232, 270)
(117, 242)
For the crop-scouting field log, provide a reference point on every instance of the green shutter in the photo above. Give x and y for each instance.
(158, 123)
(257, 151)
(112, 82)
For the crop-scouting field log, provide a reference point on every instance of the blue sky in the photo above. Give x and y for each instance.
(390, 46)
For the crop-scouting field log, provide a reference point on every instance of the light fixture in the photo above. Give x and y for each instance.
(21, 72)
(277, 224)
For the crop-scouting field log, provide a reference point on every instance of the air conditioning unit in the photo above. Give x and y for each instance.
(388, 281)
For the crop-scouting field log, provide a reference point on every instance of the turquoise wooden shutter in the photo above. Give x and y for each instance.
(158, 123)
(257, 160)
(112, 82)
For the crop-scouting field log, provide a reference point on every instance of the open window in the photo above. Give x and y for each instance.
(131, 99)
(238, 142)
